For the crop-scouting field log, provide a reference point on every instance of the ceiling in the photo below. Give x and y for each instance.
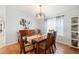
(49, 10)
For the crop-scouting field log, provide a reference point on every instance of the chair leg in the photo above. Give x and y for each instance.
(45, 51)
(54, 45)
(24, 51)
(49, 50)
(20, 50)
(35, 50)
(52, 49)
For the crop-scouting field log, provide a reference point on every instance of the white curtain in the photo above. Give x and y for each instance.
(51, 24)
(56, 24)
(59, 25)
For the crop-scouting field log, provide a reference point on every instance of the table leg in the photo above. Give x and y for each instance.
(37, 48)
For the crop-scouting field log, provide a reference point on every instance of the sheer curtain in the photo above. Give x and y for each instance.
(56, 24)
(59, 25)
(51, 24)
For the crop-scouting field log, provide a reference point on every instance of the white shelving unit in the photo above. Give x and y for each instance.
(75, 32)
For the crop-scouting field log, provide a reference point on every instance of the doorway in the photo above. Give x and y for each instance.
(2, 32)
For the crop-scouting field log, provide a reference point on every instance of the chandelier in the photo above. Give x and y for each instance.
(40, 15)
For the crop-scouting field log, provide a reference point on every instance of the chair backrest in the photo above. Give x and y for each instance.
(54, 34)
(39, 31)
(49, 39)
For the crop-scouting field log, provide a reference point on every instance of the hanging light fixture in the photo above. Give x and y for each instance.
(40, 15)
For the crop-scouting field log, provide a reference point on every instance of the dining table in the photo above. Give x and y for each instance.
(37, 39)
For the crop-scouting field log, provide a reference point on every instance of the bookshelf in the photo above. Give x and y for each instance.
(74, 32)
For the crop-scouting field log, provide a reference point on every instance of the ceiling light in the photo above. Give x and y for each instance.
(40, 15)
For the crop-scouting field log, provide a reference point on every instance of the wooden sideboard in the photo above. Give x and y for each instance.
(28, 32)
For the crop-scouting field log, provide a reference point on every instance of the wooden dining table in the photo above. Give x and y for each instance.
(37, 39)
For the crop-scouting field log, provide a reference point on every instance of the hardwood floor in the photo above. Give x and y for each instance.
(61, 49)
(65, 49)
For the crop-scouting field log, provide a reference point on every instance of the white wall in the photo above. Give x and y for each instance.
(67, 24)
(12, 23)
(66, 39)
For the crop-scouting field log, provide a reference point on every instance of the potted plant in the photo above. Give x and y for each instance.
(24, 23)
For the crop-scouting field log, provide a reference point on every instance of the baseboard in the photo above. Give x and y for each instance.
(65, 43)
(8, 44)
(2, 45)
(11, 43)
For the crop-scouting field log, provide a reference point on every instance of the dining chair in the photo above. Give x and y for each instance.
(46, 45)
(25, 46)
(39, 31)
(54, 34)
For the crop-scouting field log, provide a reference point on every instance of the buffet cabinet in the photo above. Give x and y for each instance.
(28, 32)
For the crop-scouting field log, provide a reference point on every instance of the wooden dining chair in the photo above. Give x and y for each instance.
(25, 46)
(54, 34)
(39, 31)
(46, 45)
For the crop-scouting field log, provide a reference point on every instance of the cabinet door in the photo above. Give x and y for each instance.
(30, 32)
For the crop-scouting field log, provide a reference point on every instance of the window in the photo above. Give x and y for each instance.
(59, 25)
(56, 23)
(51, 24)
